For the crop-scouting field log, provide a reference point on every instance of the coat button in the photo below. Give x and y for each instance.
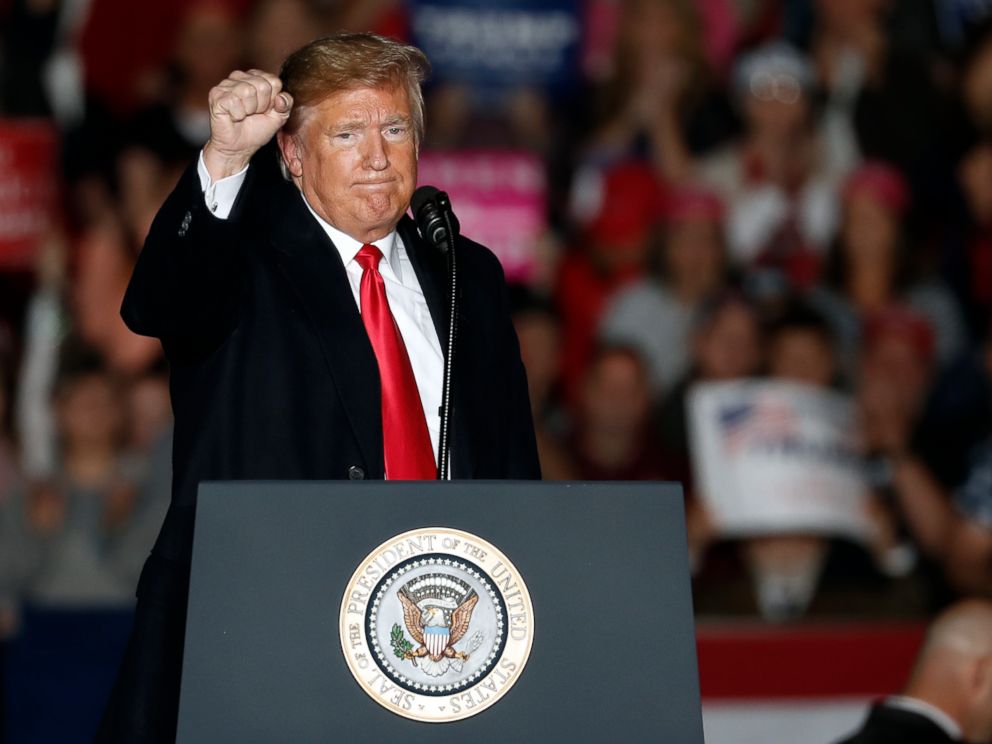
(356, 473)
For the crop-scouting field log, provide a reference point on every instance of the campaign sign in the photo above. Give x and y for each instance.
(777, 457)
(499, 44)
(28, 188)
(499, 198)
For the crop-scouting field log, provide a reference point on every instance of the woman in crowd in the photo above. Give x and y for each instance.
(659, 101)
(871, 267)
(654, 315)
(617, 239)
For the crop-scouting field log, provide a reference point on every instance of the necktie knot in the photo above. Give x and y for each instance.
(369, 257)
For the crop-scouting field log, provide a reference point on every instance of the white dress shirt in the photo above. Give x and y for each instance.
(925, 709)
(406, 299)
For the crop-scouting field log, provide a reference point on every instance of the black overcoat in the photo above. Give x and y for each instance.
(887, 725)
(273, 377)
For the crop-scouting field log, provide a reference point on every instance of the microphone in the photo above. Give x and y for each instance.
(439, 227)
(432, 212)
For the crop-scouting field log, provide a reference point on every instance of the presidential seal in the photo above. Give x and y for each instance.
(436, 625)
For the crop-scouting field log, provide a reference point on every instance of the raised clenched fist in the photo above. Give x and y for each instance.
(246, 109)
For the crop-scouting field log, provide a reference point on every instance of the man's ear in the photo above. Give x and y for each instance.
(292, 154)
(982, 676)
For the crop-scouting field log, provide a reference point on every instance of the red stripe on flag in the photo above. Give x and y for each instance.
(815, 661)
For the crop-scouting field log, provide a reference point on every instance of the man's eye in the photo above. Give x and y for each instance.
(397, 131)
(344, 135)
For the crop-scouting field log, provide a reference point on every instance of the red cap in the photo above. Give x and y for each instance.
(883, 182)
(904, 323)
(631, 204)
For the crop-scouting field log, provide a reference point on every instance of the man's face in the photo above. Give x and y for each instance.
(355, 159)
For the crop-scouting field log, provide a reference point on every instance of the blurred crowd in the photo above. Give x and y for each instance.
(794, 190)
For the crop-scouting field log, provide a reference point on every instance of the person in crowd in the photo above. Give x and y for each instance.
(149, 410)
(277, 28)
(970, 245)
(84, 541)
(654, 315)
(517, 118)
(948, 697)
(536, 324)
(786, 569)
(725, 343)
(871, 267)
(780, 179)
(105, 257)
(64, 305)
(895, 376)
(209, 43)
(976, 83)
(10, 544)
(165, 135)
(612, 437)
(873, 82)
(11, 506)
(618, 238)
(149, 457)
(659, 101)
(951, 524)
(77, 518)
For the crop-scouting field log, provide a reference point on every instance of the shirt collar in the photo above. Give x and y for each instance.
(348, 247)
(925, 709)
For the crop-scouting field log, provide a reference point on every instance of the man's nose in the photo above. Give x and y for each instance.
(376, 156)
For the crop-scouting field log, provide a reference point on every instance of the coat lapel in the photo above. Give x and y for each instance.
(429, 266)
(313, 266)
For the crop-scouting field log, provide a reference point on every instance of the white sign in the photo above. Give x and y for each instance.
(775, 457)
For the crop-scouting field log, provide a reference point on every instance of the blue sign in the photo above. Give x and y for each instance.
(500, 44)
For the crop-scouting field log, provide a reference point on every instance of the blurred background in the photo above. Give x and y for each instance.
(749, 245)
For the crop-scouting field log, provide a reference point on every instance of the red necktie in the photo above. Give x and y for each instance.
(405, 438)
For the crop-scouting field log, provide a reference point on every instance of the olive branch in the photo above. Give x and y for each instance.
(401, 646)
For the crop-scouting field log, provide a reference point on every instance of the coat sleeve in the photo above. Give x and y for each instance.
(186, 285)
(522, 459)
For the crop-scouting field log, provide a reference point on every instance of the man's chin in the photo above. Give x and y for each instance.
(378, 224)
(387, 211)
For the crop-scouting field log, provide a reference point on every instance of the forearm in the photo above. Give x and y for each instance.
(669, 151)
(924, 504)
(43, 336)
(969, 558)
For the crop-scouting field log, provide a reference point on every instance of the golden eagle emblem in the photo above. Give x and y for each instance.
(436, 628)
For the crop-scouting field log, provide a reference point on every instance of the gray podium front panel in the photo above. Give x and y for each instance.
(613, 655)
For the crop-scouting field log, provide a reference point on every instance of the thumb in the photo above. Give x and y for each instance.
(283, 103)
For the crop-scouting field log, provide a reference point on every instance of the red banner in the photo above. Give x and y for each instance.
(28, 188)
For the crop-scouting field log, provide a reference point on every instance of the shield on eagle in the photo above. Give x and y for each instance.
(436, 639)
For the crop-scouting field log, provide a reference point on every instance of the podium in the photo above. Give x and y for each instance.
(416, 612)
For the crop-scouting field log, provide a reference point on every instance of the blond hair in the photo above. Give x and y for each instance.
(347, 61)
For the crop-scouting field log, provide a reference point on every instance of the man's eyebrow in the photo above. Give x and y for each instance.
(348, 126)
(396, 119)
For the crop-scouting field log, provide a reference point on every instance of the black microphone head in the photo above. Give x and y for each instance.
(432, 211)
(421, 196)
